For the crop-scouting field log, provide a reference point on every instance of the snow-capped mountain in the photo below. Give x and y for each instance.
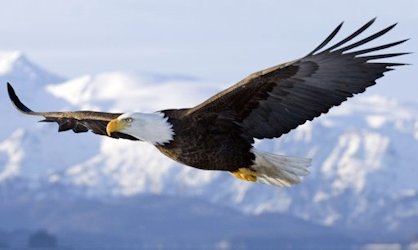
(17, 69)
(364, 171)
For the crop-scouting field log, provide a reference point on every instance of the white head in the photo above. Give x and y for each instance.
(150, 127)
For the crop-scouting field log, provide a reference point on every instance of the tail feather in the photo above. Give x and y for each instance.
(279, 170)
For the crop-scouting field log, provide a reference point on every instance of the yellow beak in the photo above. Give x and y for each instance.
(114, 125)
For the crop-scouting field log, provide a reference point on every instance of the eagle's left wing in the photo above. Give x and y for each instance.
(77, 121)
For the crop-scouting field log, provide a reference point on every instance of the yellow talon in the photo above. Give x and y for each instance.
(245, 174)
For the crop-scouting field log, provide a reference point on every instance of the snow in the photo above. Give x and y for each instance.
(13, 150)
(320, 196)
(124, 91)
(7, 61)
(364, 151)
(376, 121)
(196, 179)
(416, 130)
(331, 218)
(376, 146)
(76, 91)
(378, 246)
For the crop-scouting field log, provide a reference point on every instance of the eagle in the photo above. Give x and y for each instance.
(219, 133)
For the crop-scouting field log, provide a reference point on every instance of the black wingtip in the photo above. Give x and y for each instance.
(327, 40)
(15, 100)
(10, 88)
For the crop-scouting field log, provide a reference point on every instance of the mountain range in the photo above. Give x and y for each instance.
(363, 178)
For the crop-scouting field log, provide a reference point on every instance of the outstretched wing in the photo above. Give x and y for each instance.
(78, 121)
(274, 101)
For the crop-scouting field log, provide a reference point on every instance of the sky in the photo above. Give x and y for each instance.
(219, 40)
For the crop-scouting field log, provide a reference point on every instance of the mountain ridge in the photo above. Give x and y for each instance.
(363, 153)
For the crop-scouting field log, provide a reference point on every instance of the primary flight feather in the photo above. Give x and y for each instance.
(218, 134)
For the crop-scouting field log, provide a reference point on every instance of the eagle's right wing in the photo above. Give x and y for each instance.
(271, 102)
(77, 121)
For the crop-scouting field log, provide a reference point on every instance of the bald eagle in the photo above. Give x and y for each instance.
(219, 133)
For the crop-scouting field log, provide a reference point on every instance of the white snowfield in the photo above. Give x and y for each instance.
(365, 152)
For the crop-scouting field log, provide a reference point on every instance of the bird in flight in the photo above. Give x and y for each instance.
(219, 133)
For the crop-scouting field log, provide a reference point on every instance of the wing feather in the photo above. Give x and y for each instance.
(353, 35)
(328, 39)
(367, 39)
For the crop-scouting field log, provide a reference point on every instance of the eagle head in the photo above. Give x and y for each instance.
(150, 127)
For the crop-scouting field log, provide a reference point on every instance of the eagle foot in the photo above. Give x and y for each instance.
(245, 174)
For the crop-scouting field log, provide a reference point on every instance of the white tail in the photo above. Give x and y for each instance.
(279, 170)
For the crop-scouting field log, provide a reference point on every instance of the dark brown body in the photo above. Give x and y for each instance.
(210, 141)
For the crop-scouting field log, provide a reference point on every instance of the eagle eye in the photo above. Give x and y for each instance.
(128, 119)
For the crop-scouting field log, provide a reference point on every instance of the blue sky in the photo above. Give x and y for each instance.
(219, 41)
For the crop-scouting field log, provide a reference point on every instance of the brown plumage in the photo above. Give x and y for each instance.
(218, 133)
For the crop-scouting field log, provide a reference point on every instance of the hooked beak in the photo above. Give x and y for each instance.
(114, 125)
